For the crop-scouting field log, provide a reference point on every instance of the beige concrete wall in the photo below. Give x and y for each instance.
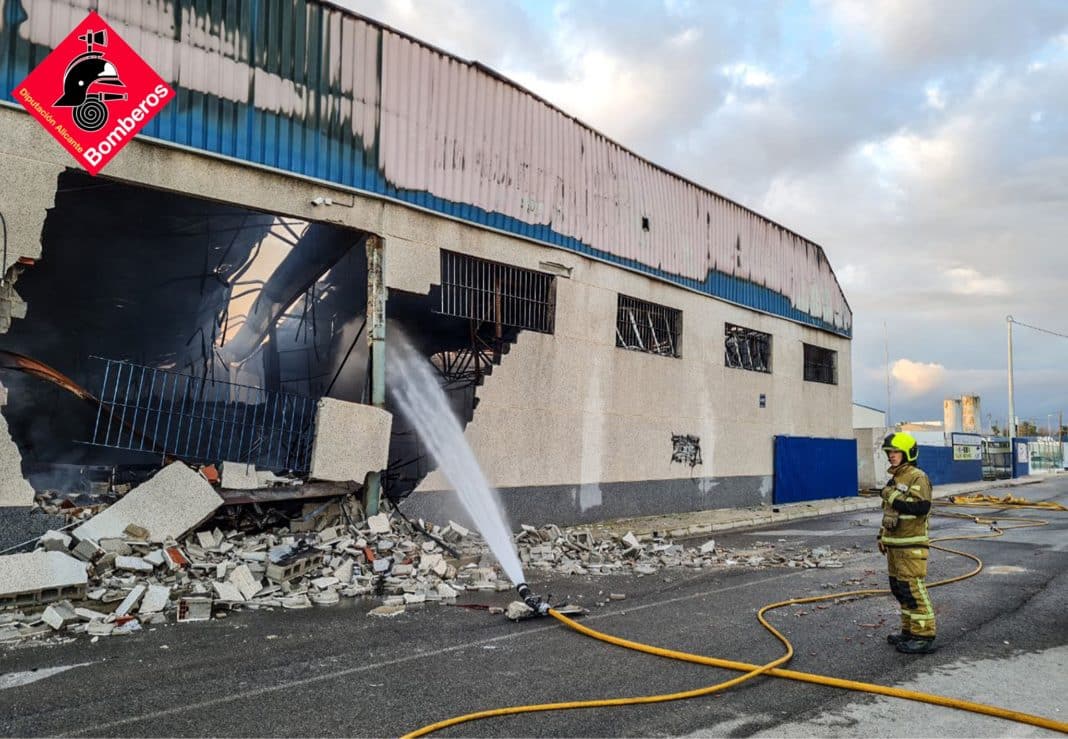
(568, 408)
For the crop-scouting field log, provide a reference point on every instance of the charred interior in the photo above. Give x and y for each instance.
(161, 326)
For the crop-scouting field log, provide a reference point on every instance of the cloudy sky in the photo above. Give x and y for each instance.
(923, 144)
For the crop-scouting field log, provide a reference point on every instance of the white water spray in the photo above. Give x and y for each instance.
(418, 393)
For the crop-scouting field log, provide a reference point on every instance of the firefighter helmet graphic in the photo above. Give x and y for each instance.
(84, 74)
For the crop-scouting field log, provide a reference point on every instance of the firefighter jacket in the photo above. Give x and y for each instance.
(906, 507)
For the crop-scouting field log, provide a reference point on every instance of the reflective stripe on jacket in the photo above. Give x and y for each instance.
(909, 484)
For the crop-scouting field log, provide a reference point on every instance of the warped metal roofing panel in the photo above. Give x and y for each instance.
(307, 88)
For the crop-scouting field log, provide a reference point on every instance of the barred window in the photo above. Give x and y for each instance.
(482, 290)
(648, 327)
(746, 349)
(821, 365)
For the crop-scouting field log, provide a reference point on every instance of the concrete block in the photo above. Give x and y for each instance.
(54, 541)
(133, 564)
(351, 440)
(174, 501)
(155, 599)
(88, 614)
(344, 572)
(227, 591)
(59, 615)
(194, 608)
(130, 600)
(239, 476)
(708, 547)
(379, 524)
(87, 551)
(115, 546)
(244, 581)
(294, 565)
(40, 577)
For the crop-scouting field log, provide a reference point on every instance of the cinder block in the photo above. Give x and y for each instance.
(174, 501)
(351, 440)
(243, 580)
(59, 615)
(155, 599)
(40, 577)
(130, 600)
(240, 476)
(54, 541)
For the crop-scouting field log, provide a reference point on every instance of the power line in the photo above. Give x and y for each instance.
(1037, 328)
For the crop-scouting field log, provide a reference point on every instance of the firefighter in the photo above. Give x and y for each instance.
(903, 539)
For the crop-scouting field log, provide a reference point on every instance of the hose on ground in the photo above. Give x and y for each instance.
(773, 668)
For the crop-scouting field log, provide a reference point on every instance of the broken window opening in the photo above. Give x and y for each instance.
(821, 365)
(500, 294)
(746, 348)
(648, 327)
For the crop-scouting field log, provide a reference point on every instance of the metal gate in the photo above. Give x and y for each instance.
(195, 419)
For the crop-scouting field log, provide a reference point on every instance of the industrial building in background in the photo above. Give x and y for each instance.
(616, 339)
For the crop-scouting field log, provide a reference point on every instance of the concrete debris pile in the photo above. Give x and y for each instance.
(146, 560)
(156, 556)
(578, 551)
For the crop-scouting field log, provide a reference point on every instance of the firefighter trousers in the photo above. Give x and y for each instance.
(908, 573)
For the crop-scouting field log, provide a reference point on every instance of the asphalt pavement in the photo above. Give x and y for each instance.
(338, 672)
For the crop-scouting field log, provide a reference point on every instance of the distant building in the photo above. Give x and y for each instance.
(866, 417)
(963, 414)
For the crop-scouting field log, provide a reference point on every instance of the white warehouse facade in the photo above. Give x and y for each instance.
(617, 340)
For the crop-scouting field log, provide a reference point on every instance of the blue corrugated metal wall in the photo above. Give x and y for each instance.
(941, 469)
(808, 468)
(297, 43)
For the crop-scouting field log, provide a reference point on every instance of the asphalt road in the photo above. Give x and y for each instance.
(337, 672)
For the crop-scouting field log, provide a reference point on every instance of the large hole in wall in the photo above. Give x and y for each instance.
(173, 282)
(211, 291)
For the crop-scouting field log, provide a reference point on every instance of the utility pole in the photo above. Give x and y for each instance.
(1012, 399)
(886, 351)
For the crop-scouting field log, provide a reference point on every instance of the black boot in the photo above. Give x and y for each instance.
(917, 645)
(896, 639)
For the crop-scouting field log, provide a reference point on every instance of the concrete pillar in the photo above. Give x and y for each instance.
(376, 339)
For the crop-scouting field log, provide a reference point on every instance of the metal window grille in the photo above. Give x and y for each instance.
(821, 365)
(497, 293)
(202, 420)
(746, 349)
(648, 327)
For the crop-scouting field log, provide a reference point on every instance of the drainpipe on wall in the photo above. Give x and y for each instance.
(376, 340)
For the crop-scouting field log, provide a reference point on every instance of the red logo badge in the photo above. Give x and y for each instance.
(93, 93)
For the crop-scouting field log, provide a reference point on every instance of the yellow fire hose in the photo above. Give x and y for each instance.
(772, 668)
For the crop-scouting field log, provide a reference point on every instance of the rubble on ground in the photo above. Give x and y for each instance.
(130, 566)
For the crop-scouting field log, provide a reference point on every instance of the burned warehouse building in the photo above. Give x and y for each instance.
(615, 340)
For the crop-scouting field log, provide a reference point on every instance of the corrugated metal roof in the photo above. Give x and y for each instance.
(307, 88)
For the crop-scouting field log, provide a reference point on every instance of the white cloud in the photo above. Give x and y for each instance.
(748, 75)
(936, 98)
(917, 378)
(967, 281)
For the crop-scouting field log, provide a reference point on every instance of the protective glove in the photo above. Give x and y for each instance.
(882, 547)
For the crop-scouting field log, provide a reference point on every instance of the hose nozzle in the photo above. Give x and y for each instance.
(534, 602)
